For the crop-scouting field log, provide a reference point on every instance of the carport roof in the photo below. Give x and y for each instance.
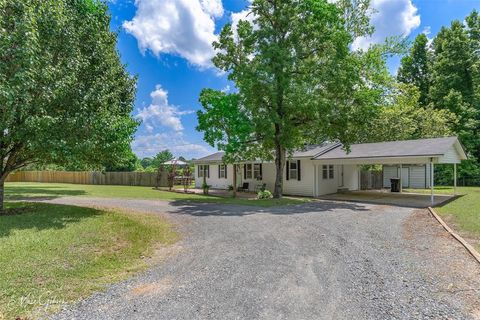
(431, 147)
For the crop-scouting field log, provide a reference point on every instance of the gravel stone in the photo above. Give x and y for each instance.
(319, 260)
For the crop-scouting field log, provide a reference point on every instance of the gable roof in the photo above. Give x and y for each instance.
(405, 148)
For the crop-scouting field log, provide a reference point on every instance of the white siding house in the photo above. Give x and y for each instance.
(329, 168)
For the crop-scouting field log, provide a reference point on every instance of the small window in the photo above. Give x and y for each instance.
(293, 170)
(325, 172)
(203, 171)
(257, 174)
(222, 172)
(328, 172)
(248, 171)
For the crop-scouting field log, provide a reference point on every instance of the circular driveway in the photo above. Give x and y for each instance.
(321, 260)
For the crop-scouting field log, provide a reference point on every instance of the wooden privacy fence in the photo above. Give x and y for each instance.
(148, 179)
(371, 180)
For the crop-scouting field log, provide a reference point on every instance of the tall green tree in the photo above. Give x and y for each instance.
(403, 118)
(297, 79)
(161, 157)
(65, 96)
(454, 82)
(226, 124)
(414, 68)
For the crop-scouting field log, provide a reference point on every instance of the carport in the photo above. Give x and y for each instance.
(427, 152)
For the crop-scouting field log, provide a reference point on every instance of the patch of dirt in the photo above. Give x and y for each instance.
(149, 289)
(457, 272)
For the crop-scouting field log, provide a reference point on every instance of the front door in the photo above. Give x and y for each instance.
(405, 177)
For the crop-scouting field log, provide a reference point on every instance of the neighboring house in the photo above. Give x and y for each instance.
(328, 168)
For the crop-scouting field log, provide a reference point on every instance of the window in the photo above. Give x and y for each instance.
(257, 171)
(327, 171)
(293, 170)
(248, 171)
(203, 171)
(222, 171)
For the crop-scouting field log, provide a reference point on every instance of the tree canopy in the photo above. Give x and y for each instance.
(298, 81)
(65, 96)
(447, 73)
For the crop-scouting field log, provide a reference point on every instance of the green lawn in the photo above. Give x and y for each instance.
(52, 254)
(462, 214)
(27, 190)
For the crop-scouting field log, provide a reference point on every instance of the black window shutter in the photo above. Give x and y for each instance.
(226, 169)
(208, 171)
(261, 173)
(299, 172)
(219, 170)
(287, 174)
(244, 171)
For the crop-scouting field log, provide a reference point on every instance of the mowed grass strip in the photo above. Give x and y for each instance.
(28, 190)
(462, 214)
(51, 254)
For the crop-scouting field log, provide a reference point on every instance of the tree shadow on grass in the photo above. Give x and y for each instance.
(203, 209)
(39, 192)
(41, 216)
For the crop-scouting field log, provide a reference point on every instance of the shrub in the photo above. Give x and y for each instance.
(265, 194)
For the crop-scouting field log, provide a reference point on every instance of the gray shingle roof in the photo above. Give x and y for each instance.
(406, 148)
(214, 157)
(314, 150)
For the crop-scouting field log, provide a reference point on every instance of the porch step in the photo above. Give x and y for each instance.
(342, 190)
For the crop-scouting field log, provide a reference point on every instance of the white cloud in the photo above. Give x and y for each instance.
(161, 112)
(149, 145)
(180, 27)
(393, 18)
(212, 7)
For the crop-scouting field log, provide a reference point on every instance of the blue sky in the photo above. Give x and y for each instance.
(166, 43)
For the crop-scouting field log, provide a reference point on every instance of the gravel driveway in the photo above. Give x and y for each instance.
(321, 260)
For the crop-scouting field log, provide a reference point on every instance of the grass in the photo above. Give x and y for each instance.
(27, 190)
(462, 214)
(51, 254)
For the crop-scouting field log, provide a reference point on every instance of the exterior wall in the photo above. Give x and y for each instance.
(304, 186)
(214, 181)
(311, 182)
(419, 175)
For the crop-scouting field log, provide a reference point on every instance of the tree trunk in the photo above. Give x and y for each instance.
(279, 163)
(2, 185)
(234, 180)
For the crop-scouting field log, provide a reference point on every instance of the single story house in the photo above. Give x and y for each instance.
(328, 168)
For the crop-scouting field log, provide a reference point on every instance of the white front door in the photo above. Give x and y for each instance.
(405, 177)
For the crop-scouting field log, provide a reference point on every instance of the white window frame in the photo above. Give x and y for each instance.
(293, 172)
(256, 170)
(222, 173)
(328, 172)
(249, 171)
(202, 170)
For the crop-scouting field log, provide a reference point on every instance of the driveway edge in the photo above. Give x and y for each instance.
(467, 246)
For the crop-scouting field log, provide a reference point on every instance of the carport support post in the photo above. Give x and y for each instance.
(432, 197)
(454, 179)
(401, 182)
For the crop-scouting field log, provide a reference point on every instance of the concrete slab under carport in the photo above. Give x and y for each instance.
(404, 199)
